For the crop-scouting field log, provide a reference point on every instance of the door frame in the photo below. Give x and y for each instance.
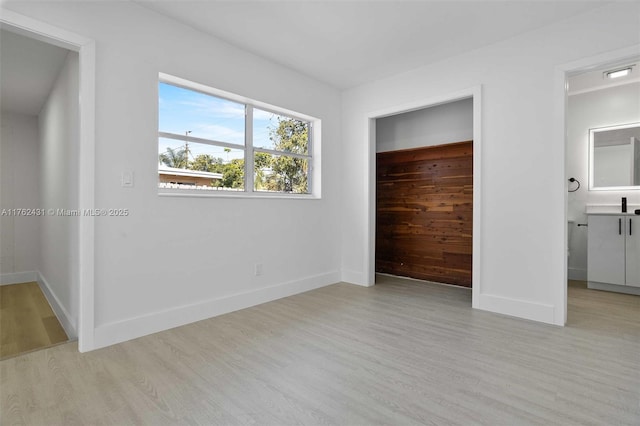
(85, 47)
(560, 130)
(474, 93)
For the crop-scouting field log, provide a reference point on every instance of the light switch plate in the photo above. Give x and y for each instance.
(127, 179)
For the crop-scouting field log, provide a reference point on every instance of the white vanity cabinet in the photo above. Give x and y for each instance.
(614, 252)
(633, 250)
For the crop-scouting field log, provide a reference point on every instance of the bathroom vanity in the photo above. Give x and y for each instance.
(613, 233)
(614, 252)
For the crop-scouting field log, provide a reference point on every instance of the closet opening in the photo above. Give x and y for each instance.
(425, 192)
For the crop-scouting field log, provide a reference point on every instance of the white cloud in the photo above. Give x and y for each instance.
(259, 114)
(216, 108)
(220, 133)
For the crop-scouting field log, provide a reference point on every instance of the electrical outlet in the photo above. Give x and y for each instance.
(258, 269)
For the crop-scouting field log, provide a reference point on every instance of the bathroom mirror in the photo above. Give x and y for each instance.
(614, 157)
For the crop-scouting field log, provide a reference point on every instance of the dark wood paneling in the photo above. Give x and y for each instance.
(424, 213)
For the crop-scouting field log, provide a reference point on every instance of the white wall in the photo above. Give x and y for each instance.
(446, 123)
(19, 155)
(600, 108)
(179, 259)
(523, 180)
(59, 147)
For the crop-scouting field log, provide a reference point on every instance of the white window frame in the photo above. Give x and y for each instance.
(313, 148)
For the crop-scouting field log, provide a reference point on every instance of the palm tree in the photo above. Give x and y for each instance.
(176, 158)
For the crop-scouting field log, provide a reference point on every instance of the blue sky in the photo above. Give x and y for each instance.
(208, 117)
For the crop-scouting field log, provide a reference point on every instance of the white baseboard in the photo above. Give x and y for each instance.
(121, 331)
(354, 277)
(18, 277)
(577, 274)
(627, 289)
(517, 308)
(66, 320)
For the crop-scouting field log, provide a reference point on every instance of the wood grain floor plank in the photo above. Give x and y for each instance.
(399, 353)
(27, 322)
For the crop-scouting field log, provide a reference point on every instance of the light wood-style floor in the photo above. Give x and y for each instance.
(399, 353)
(27, 322)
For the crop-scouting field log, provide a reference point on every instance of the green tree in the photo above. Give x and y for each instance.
(176, 158)
(207, 163)
(262, 162)
(232, 174)
(289, 174)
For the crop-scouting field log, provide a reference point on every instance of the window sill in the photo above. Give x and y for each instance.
(233, 194)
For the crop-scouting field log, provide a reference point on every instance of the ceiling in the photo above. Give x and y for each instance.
(28, 71)
(347, 43)
(343, 43)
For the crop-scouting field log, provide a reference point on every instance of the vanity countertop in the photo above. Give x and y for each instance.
(611, 214)
(610, 209)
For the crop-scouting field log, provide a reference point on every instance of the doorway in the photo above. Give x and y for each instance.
(472, 94)
(592, 100)
(39, 89)
(424, 194)
(72, 302)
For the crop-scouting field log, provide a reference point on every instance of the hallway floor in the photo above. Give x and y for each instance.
(27, 322)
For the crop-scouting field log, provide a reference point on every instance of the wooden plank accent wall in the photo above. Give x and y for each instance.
(424, 213)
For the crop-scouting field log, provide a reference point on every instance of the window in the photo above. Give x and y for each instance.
(216, 142)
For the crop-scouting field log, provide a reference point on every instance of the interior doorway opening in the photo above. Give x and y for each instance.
(473, 96)
(424, 194)
(40, 108)
(73, 303)
(592, 100)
